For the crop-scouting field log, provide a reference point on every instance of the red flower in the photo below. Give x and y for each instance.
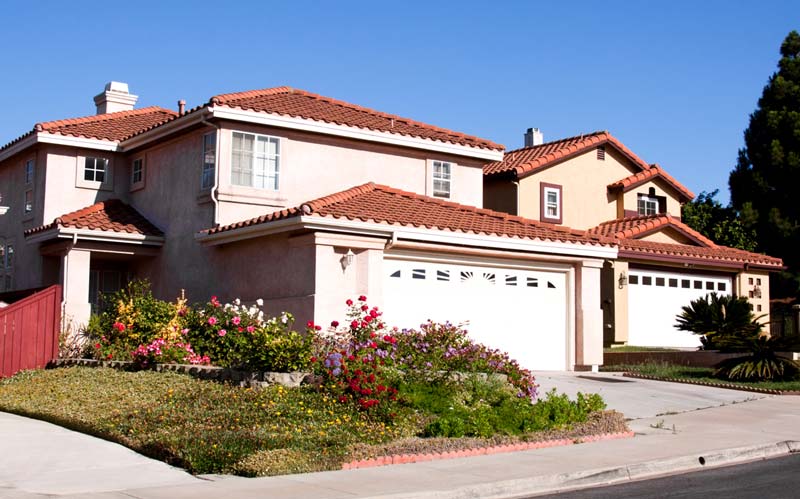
(334, 323)
(109, 356)
(354, 324)
(364, 308)
(362, 298)
(310, 324)
(119, 326)
(349, 303)
(97, 345)
(373, 313)
(368, 319)
(372, 344)
(313, 359)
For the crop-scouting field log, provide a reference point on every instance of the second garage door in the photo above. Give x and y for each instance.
(521, 311)
(655, 298)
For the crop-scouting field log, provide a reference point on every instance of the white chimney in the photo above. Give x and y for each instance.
(533, 137)
(115, 98)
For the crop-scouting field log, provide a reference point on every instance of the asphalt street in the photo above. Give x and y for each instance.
(774, 479)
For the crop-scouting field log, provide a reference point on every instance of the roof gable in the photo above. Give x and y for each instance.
(529, 160)
(654, 172)
(112, 216)
(640, 226)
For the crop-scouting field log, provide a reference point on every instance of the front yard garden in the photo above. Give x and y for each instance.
(378, 391)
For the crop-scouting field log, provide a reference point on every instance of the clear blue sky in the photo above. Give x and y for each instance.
(675, 81)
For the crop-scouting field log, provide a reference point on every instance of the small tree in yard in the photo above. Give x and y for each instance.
(719, 319)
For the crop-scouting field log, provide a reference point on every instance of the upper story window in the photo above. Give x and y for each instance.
(28, 201)
(209, 160)
(551, 203)
(647, 205)
(442, 176)
(95, 169)
(137, 173)
(255, 161)
(30, 171)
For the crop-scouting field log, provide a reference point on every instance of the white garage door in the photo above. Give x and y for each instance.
(523, 312)
(654, 300)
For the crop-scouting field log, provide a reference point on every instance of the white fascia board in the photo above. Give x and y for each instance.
(3, 210)
(173, 126)
(309, 125)
(19, 146)
(410, 233)
(67, 140)
(95, 235)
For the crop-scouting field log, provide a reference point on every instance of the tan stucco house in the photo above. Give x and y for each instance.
(303, 201)
(594, 183)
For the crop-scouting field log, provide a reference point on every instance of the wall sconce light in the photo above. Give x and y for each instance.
(623, 280)
(757, 292)
(347, 259)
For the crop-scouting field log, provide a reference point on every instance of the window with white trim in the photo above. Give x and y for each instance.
(442, 176)
(28, 201)
(647, 205)
(95, 169)
(30, 171)
(552, 203)
(209, 160)
(137, 172)
(255, 161)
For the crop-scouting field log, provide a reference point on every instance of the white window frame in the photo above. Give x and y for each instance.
(547, 203)
(270, 179)
(209, 158)
(140, 183)
(95, 170)
(647, 200)
(30, 171)
(28, 202)
(442, 178)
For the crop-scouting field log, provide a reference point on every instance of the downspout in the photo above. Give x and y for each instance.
(516, 184)
(215, 187)
(391, 242)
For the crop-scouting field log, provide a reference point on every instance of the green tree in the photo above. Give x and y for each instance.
(721, 224)
(768, 170)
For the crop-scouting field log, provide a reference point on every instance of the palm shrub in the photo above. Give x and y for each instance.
(720, 320)
(763, 363)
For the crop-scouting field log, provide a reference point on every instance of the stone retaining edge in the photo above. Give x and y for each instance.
(480, 451)
(767, 391)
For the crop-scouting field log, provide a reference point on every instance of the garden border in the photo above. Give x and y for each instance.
(767, 391)
(481, 451)
(252, 379)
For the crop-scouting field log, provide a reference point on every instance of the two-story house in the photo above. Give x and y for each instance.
(303, 201)
(594, 183)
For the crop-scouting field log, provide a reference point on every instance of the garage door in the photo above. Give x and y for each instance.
(654, 300)
(521, 311)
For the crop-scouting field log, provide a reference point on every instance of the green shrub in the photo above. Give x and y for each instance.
(763, 363)
(720, 320)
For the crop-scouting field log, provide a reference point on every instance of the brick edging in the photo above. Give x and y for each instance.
(480, 451)
(728, 386)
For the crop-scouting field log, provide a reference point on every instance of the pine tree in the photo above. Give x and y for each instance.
(766, 179)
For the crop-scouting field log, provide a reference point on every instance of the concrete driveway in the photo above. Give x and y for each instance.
(638, 398)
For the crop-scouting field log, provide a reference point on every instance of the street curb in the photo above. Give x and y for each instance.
(527, 487)
(480, 451)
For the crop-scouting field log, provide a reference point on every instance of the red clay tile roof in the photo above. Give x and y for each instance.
(718, 254)
(381, 204)
(643, 176)
(523, 162)
(110, 126)
(299, 103)
(627, 230)
(112, 215)
(635, 227)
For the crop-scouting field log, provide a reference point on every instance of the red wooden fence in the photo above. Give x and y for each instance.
(29, 330)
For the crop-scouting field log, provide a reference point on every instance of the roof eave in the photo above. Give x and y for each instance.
(61, 232)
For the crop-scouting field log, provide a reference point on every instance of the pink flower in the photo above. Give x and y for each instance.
(250, 329)
(222, 332)
(236, 320)
(184, 331)
(119, 326)
(212, 320)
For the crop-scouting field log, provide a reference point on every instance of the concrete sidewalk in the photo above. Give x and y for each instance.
(749, 430)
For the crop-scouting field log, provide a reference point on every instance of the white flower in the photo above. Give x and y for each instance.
(237, 302)
(260, 302)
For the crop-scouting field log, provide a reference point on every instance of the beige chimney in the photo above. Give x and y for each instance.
(115, 98)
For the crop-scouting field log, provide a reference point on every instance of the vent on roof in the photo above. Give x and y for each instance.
(533, 137)
(115, 98)
(601, 153)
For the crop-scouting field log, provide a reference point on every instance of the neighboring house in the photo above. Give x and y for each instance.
(593, 182)
(303, 201)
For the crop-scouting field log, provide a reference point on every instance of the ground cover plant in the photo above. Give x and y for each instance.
(701, 374)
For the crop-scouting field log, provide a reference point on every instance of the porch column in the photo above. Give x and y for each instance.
(75, 282)
(589, 320)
